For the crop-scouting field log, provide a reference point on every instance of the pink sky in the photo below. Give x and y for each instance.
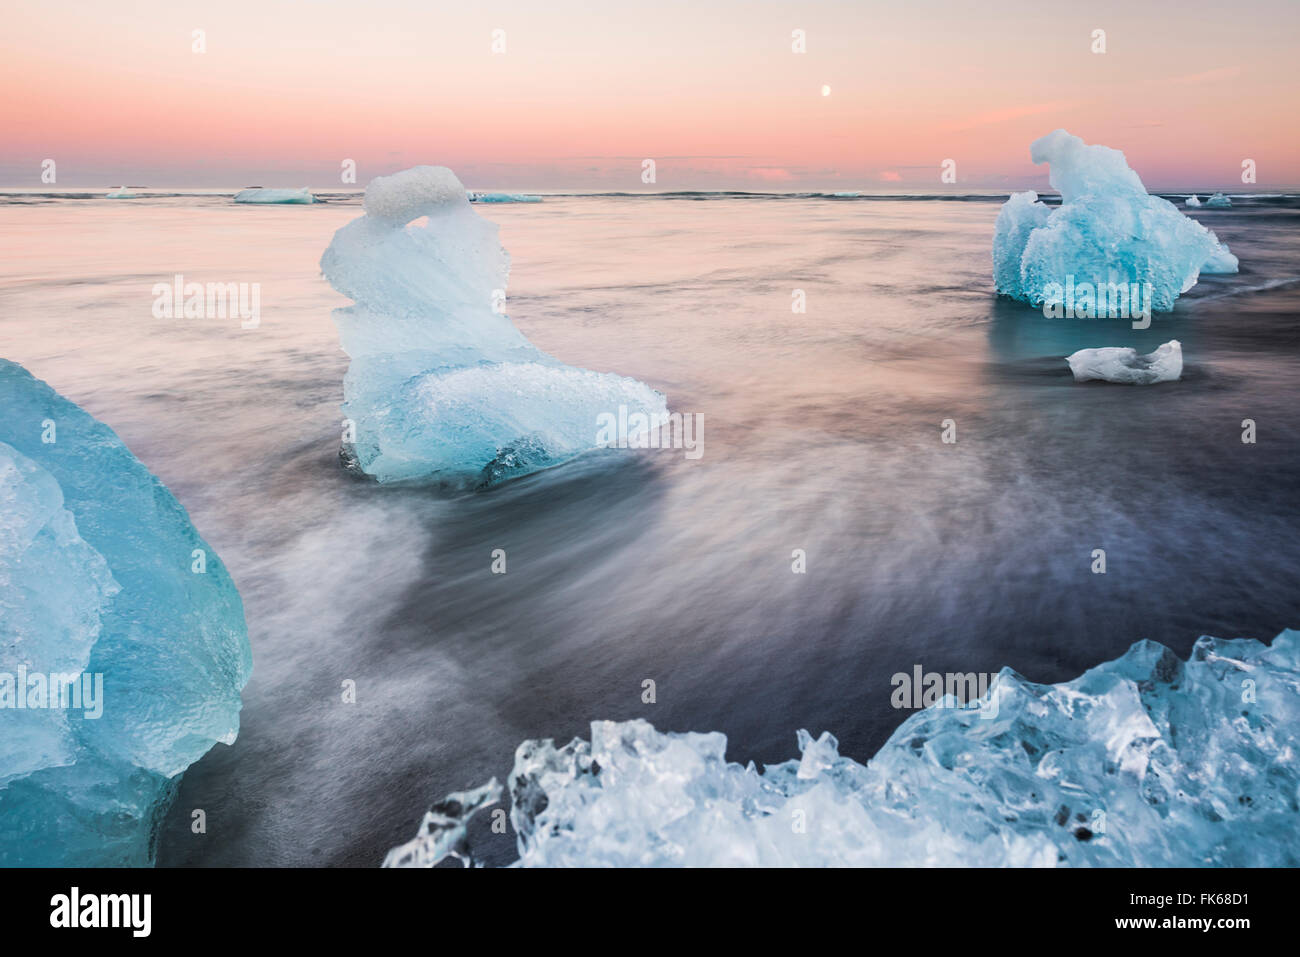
(585, 91)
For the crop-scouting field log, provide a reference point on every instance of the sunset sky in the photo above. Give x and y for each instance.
(584, 91)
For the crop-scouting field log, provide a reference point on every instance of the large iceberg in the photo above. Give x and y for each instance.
(442, 387)
(291, 197)
(1219, 201)
(1145, 761)
(1108, 231)
(1122, 364)
(123, 647)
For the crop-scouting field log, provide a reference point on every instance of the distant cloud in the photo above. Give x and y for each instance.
(700, 156)
(891, 176)
(1011, 113)
(770, 174)
(1222, 73)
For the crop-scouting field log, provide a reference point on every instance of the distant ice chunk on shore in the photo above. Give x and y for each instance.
(1218, 201)
(123, 647)
(1192, 201)
(121, 193)
(259, 194)
(1121, 364)
(1107, 230)
(442, 387)
(1145, 761)
(477, 197)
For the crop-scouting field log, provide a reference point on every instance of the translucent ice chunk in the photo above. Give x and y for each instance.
(1107, 230)
(109, 594)
(442, 387)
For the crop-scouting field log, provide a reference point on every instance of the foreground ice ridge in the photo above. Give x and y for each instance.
(1122, 364)
(97, 577)
(258, 194)
(1107, 230)
(1145, 761)
(442, 387)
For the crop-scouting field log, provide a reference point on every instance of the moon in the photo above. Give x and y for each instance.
(826, 90)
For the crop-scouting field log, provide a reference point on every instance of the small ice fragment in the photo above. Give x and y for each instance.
(1219, 201)
(443, 830)
(1121, 364)
(1193, 201)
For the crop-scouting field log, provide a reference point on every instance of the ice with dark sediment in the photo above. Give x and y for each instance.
(1144, 761)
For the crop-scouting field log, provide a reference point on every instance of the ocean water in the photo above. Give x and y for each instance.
(821, 432)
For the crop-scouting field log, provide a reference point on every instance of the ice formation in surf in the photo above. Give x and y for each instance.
(122, 640)
(1145, 761)
(121, 193)
(1107, 230)
(258, 194)
(1120, 364)
(1192, 201)
(1218, 201)
(442, 387)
